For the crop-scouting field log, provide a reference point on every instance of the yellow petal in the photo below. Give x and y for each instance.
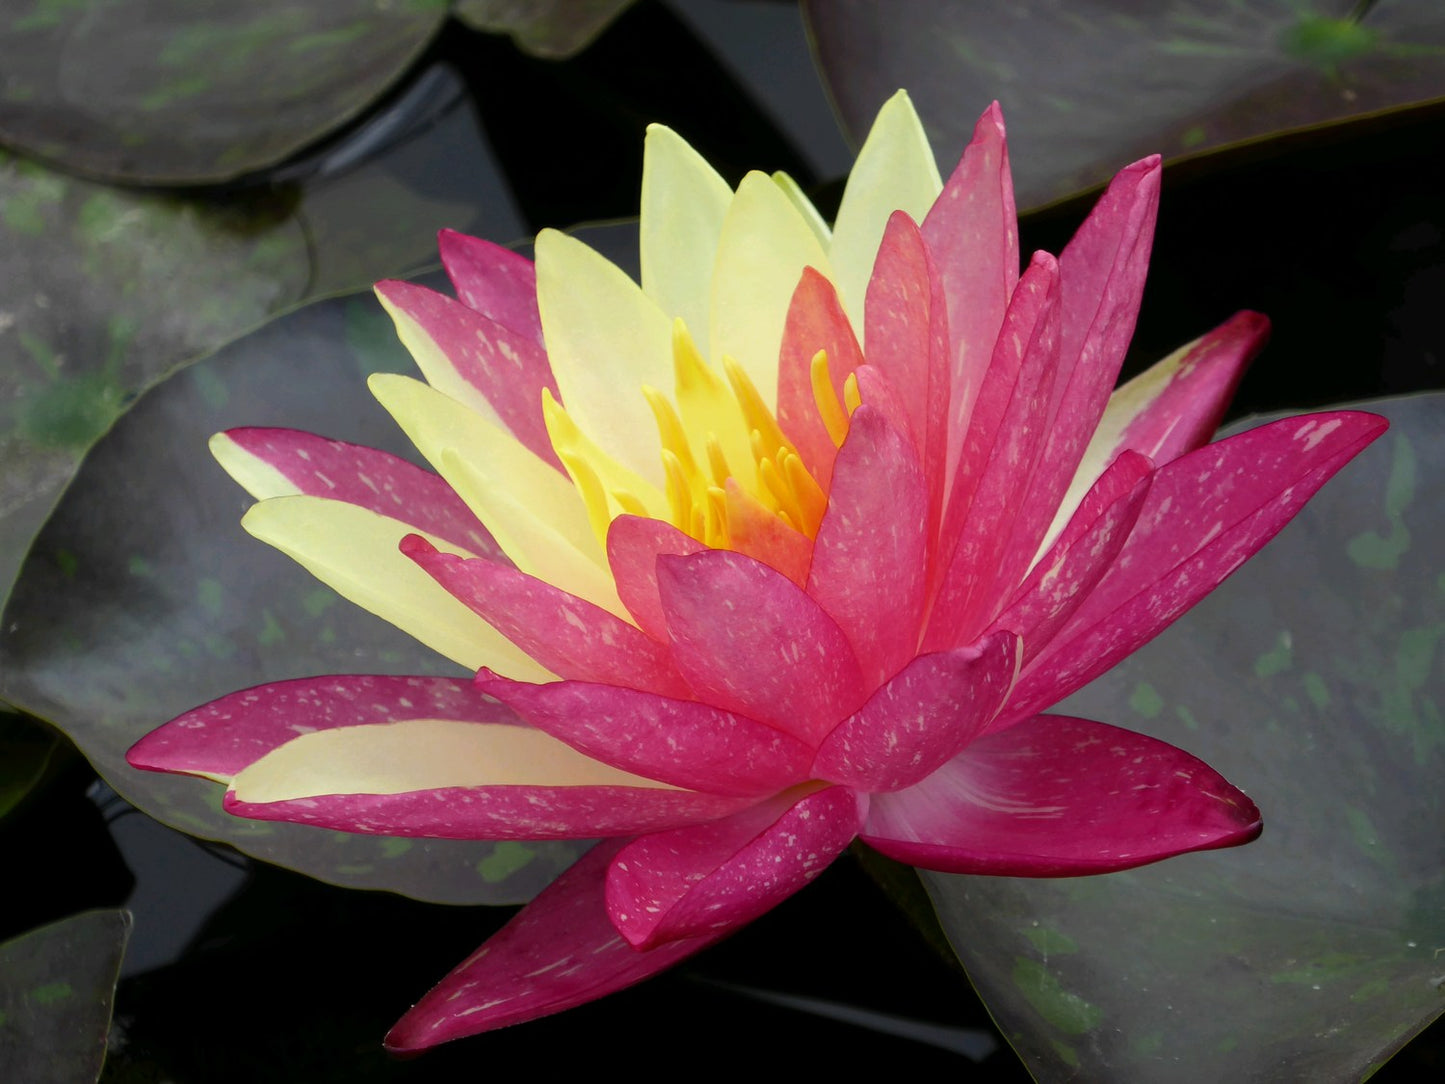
(684, 202)
(800, 200)
(500, 466)
(421, 754)
(605, 339)
(532, 541)
(895, 171)
(354, 552)
(256, 476)
(765, 245)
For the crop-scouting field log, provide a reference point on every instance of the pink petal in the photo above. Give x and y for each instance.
(495, 281)
(868, 560)
(906, 337)
(1206, 514)
(922, 718)
(710, 878)
(755, 531)
(634, 544)
(569, 636)
(1186, 412)
(1101, 280)
(816, 321)
(560, 951)
(972, 233)
(999, 455)
(1061, 582)
(749, 640)
(509, 369)
(499, 811)
(368, 479)
(680, 742)
(1056, 797)
(227, 735)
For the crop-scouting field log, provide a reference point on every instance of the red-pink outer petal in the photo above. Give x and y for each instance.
(922, 718)
(1207, 513)
(1057, 796)
(749, 640)
(711, 878)
(634, 544)
(868, 568)
(560, 951)
(507, 368)
(681, 742)
(569, 636)
(497, 282)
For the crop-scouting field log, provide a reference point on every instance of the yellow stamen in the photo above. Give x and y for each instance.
(716, 461)
(851, 397)
(829, 409)
(809, 494)
(756, 415)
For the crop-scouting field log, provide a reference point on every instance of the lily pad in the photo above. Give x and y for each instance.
(1315, 680)
(143, 597)
(1087, 85)
(26, 752)
(196, 91)
(108, 290)
(57, 985)
(548, 28)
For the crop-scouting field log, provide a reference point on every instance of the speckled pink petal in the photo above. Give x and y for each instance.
(868, 568)
(922, 718)
(1186, 411)
(680, 742)
(1206, 514)
(1000, 453)
(569, 636)
(816, 321)
(508, 369)
(223, 737)
(561, 950)
(634, 544)
(1061, 582)
(497, 282)
(369, 479)
(503, 811)
(1055, 797)
(906, 338)
(710, 878)
(750, 640)
(1101, 281)
(755, 531)
(972, 233)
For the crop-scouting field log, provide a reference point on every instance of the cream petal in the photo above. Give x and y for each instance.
(354, 551)
(895, 171)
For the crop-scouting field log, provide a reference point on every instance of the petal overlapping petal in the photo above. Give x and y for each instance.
(708, 879)
(1056, 796)
(561, 950)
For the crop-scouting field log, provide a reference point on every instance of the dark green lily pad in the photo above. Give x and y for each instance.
(26, 752)
(143, 597)
(545, 28)
(57, 985)
(1087, 86)
(108, 290)
(195, 91)
(1315, 680)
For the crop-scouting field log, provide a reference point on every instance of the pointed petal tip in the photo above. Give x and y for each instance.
(414, 546)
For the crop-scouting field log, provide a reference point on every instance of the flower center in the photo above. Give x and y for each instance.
(726, 461)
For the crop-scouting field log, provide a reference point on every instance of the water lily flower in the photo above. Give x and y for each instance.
(788, 545)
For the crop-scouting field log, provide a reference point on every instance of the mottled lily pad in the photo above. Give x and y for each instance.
(547, 28)
(108, 290)
(195, 91)
(1314, 679)
(143, 597)
(1087, 85)
(57, 985)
